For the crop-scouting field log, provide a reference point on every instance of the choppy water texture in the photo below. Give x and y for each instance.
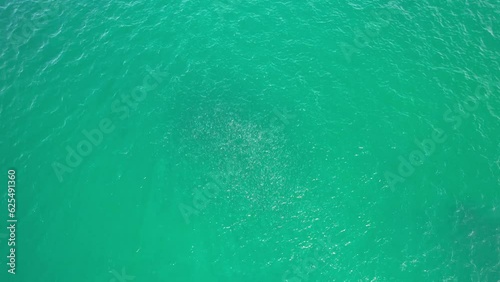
(252, 140)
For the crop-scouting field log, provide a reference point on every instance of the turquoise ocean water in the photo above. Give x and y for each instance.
(234, 140)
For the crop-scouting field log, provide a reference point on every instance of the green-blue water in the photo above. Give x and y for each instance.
(234, 140)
